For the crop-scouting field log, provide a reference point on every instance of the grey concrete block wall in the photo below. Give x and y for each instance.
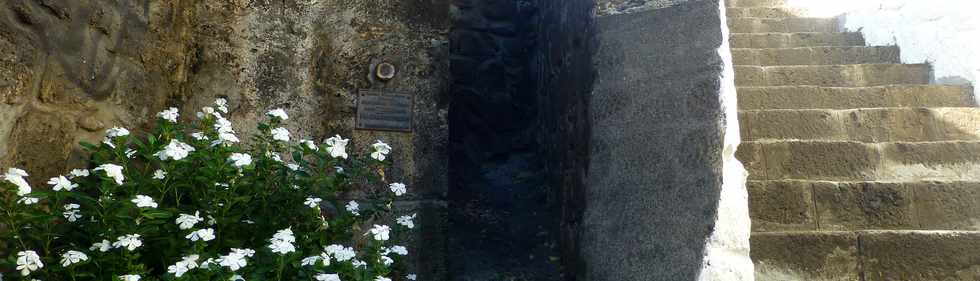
(665, 198)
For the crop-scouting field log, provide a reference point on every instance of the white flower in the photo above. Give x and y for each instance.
(406, 220)
(128, 241)
(310, 144)
(176, 150)
(170, 114)
(327, 277)
(380, 232)
(312, 202)
(205, 235)
(113, 171)
(400, 250)
(233, 261)
(240, 159)
(278, 113)
(71, 212)
(337, 146)
(159, 174)
(274, 156)
(236, 277)
(339, 169)
(16, 177)
(60, 183)
(223, 125)
(130, 153)
(280, 134)
(222, 104)
(398, 188)
(185, 221)
(387, 261)
(78, 173)
(382, 278)
(199, 136)
(340, 253)
(411, 276)
(116, 132)
(28, 261)
(130, 277)
(292, 166)
(143, 201)
(381, 151)
(358, 263)
(282, 242)
(308, 261)
(72, 257)
(28, 200)
(103, 246)
(245, 252)
(353, 208)
(227, 138)
(181, 267)
(281, 247)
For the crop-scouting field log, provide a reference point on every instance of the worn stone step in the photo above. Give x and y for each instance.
(815, 97)
(855, 75)
(866, 255)
(765, 25)
(798, 39)
(755, 3)
(763, 12)
(864, 125)
(859, 161)
(795, 205)
(817, 55)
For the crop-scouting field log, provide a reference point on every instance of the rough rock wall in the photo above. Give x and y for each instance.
(522, 72)
(665, 197)
(71, 69)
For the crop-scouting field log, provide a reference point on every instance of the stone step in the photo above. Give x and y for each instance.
(814, 97)
(793, 40)
(867, 255)
(764, 25)
(796, 205)
(855, 75)
(817, 55)
(755, 3)
(864, 125)
(859, 161)
(763, 12)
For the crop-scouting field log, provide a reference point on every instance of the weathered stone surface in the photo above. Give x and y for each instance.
(864, 125)
(856, 75)
(953, 205)
(810, 97)
(782, 205)
(848, 206)
(765, 25)
(817, 56)
(652, 211)
(920, 255)
(806, 256)
(798, 39)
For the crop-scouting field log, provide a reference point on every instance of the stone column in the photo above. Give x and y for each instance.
(665, 197)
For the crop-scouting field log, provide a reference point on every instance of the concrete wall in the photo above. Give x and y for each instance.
(71, 69)
(945, 33)
(665, 197)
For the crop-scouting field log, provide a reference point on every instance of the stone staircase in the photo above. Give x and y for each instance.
(859, 169)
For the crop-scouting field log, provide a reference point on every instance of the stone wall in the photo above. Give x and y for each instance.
(665, 196)
(522, 72)
(71, 69)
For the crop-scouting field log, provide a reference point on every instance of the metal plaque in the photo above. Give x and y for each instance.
(384, 111)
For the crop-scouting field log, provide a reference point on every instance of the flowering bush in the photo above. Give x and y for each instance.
(192, 203)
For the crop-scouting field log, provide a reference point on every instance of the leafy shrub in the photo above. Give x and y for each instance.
(177, 205)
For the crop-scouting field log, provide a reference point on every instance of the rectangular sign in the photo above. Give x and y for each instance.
(384, 111)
